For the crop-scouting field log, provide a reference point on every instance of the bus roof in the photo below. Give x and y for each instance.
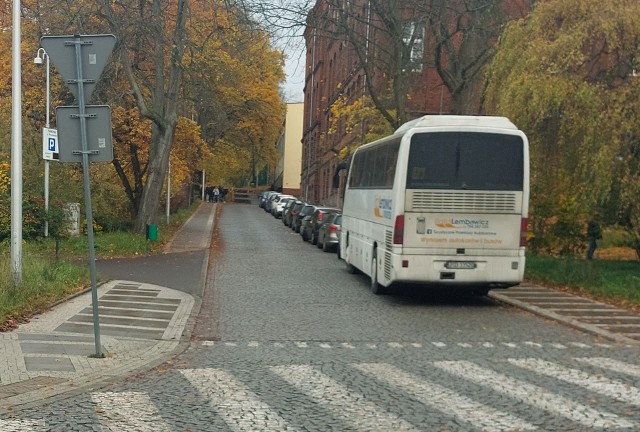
(457, 121)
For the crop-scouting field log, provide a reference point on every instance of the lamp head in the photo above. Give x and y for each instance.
(40, 56)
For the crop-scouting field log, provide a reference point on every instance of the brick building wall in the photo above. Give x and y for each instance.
(333, 69)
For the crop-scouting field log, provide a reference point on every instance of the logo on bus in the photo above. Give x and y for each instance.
(382, 207)
(462, 223)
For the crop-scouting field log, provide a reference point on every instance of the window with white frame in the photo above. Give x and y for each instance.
(413, 36)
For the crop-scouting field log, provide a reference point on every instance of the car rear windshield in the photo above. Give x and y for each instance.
(466, 160)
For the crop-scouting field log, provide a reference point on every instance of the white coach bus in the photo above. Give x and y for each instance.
(442, 201)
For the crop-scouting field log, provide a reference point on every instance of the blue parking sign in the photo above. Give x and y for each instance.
(50, 149)
(53, 144)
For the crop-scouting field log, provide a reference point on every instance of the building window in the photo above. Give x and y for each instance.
(413, 36)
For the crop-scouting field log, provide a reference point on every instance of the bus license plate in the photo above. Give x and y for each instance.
(460, 265)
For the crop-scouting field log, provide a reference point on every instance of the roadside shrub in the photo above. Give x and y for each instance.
(33, 219)
(112, 224)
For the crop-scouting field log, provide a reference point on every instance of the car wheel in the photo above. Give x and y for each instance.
(376, 288)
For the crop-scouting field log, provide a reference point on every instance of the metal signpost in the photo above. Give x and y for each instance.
(80, 60)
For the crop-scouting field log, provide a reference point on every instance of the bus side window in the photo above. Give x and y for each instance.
(391, 160)
(379, 166)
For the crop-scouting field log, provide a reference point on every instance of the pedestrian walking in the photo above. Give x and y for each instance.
(594, 234)
(216, 194)
(209, 193)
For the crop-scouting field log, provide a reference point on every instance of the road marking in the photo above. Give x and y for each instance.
(238, 406)
(128, 411)
(22, 425)
(345, 404)
(594, 383)
(580, 345)
(444, 399)
(614, 365)
(401, 345)
(534, 395)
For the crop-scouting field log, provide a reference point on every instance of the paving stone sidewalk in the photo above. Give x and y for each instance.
(141, 326)
(588, 315)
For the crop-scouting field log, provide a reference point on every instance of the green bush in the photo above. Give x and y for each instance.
(33, 219)
(112, 224)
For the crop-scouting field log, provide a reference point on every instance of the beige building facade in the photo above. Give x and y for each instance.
(290, 151)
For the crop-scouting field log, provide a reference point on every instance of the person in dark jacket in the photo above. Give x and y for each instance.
(594, 234)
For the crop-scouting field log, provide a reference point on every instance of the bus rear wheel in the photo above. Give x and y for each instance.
(376, 288)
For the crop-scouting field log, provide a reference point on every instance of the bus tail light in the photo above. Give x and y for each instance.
(398, 230)
(523, 231)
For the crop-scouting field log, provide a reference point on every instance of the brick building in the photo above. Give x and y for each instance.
(334, 69)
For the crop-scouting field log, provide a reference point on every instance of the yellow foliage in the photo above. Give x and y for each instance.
(5, 178)
(359, 119)
(564, 76)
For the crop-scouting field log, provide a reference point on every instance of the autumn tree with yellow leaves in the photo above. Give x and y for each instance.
(194, 84)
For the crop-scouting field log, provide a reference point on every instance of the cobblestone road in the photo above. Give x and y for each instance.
(295, 343)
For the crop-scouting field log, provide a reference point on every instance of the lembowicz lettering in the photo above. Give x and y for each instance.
(463, 223)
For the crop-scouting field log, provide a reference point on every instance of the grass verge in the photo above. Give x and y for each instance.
(616, 282)
(43, 283)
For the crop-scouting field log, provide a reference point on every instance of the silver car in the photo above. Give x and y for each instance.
(329, 233)
(278, 204)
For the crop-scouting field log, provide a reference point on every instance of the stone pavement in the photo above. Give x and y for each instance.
(588, 315)
(141, 326)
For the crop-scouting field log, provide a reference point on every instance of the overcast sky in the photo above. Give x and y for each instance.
(294, 68)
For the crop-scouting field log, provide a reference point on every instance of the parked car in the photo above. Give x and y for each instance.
(262, 198)
(278, 204)
(269, 202)
(304, 223)
(329, 232)
(288, 209)
(306, 210)
(319, 215)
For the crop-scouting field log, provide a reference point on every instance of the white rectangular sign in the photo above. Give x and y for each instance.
(50, 145)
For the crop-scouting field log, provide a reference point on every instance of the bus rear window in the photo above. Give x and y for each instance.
(466, 160)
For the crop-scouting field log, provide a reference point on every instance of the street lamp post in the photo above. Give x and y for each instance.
(42, 54)
(16, 147)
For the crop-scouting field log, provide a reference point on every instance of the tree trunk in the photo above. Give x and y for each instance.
(156, 174)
